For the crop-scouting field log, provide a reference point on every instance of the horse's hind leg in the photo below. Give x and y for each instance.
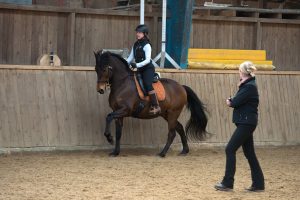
(180, 131)
(171, 135)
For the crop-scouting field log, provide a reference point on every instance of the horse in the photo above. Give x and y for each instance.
(113, 70)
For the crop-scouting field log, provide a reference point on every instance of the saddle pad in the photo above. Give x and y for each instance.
(158, 87)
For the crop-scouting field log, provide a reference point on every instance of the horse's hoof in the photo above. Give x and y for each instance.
(111, 142)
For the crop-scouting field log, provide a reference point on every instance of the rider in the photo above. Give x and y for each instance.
(141, 52)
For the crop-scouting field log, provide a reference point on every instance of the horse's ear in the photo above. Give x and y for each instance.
(95, 53)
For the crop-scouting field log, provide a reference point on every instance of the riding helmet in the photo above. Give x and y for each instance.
(142, 28)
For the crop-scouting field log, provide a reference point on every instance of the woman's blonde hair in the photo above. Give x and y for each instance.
(248, 68)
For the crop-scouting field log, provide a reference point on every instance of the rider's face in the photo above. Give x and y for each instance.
(139, 35)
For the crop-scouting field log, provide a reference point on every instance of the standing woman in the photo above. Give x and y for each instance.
(141, 52)
(245, 117)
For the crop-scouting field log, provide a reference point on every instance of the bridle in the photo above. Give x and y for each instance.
(107, 82)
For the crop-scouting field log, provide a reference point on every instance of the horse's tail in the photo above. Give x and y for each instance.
(196, 126)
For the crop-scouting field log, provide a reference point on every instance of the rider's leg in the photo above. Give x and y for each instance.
(154, 109)
(148, 75)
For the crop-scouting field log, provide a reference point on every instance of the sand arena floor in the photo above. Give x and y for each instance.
(139, 174)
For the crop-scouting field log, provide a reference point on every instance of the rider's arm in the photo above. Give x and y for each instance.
(130, 57)
(147, 49)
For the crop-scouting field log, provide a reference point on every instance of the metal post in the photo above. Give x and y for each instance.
(163, 54)
(142, 12)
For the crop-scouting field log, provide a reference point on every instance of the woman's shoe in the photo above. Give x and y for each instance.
(255, 189)
(221, 187)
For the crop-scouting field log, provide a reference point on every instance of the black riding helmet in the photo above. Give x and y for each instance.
(142, 28)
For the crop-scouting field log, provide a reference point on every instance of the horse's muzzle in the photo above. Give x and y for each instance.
(101, 91)
(101, 87)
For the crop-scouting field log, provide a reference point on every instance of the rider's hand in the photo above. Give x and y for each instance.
(133, 65)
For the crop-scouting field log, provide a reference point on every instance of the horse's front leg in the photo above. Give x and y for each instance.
(119, 126)
(107, 132)
(118, 116)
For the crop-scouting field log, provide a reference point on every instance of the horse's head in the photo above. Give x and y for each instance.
(103, 70)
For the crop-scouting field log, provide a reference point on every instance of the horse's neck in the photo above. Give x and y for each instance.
(120, 74)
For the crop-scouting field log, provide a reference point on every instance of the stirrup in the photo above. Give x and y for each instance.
(154, 110)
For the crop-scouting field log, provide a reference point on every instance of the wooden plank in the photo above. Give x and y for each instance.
(13, 109)
(96, 122)
(286, 109)
(63, 37)
(26, 43)
(36, 34)
(292, 112)
(52, 30)
(89, 35)
(15, 57)
(25, 81)
(71, 38)
(263, 109)
(2, 35)
(44, 41)
(258, 35)
(4, 123)
(80, 40)
(82, 114)
(296, 107)
(41, 115)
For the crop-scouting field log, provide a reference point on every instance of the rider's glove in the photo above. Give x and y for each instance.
(133, 65)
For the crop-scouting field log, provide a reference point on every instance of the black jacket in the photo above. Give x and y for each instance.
(138, 50)
(245, 103)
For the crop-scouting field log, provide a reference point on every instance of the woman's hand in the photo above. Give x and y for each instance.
(133, 65)
(228, 102)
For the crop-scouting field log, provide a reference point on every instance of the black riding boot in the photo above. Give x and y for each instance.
(154, 108)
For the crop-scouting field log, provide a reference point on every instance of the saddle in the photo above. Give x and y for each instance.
(157, 85)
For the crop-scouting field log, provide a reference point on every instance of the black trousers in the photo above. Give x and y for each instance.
(147, 73)
(242, 136)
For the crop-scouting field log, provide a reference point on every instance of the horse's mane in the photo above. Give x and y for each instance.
(104, 59)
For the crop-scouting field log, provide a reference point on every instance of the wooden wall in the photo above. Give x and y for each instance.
(30, 31)
(280, 39)
(59, 107)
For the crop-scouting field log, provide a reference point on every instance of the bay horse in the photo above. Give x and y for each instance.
(124, 100)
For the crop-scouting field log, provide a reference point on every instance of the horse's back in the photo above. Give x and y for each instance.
(175, 92)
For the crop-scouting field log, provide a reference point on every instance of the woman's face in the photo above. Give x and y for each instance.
(139, 35)
(243, 75)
